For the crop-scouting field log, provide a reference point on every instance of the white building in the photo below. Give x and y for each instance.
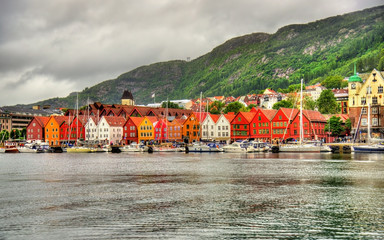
(91, 133)
(110, 129)
(216, 128)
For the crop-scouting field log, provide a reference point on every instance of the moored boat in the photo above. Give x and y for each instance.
(209, 147)
(369, 148)
(80, 150)
(237, 147)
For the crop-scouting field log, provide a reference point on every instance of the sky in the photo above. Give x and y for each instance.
(52, 48)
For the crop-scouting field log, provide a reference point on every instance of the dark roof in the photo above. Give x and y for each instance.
(127, 95)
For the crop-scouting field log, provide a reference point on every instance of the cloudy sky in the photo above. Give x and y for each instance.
(52, 48)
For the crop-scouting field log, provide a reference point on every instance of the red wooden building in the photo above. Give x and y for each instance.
(261, 126)
(35, 128)
(130, 129)
(240, 125)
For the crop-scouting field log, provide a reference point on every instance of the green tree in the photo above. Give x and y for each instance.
(250, 106)
(331, 82)
(233, 107)
(216, 107)
(309, 103)
(282, 104)
(15, 134)
(334, 125)
(170, 105)
(327, 102)
(4, 135)
(23, 133)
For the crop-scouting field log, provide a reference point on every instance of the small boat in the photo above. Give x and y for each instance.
(80, 150)
(134, 147)
(305, 147)
(209, 147)
(27, 148)
(237, 147)
(10, 147)
(370, 148)
(2, 150)
(259, 146)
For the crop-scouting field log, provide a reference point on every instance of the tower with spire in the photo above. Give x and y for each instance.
(127, 98)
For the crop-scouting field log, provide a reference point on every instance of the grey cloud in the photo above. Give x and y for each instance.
(81, 43)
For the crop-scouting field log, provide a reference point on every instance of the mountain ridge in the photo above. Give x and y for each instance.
(253, 62)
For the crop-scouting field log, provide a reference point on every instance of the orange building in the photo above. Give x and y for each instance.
(191, 128)
(52, 130)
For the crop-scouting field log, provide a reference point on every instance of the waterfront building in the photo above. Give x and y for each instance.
(110, 129)
(145, 130)
(313, 126)
(175, 131)
(52, 130)
(366, 98)
(14, 117)
(341, 96)
(35, 128)
(91, 129)
(130, 130)
(191, 128)
(282, 123)
(240, 125)
(221, 131)
(261, 126)
(65, 131)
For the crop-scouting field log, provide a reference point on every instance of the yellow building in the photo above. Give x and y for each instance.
(367, 97)
(145, 129)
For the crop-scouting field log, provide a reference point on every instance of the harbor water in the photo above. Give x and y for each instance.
(191, 196)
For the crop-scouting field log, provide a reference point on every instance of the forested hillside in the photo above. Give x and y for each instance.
(251, 63)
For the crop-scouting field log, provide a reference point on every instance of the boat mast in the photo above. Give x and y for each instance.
(301, 113)
(369, 124)
(77, 117)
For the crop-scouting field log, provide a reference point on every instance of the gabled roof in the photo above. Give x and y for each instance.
(314, 116)
(290, 113)
(42, 120)
(248, 115)
(200, 115)
(136, 120)
(114, 121)
(269, 113)
(60, 119)
(215, 117)
(230, 116)
(152, 119)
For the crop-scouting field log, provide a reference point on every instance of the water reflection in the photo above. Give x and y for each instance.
(168, 195)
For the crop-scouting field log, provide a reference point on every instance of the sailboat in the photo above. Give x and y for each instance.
(79, 149)
(370, 147)
(300, 146)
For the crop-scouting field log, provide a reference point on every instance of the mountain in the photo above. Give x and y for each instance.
(253, 62)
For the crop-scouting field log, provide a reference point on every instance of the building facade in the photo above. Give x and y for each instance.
(366, 105)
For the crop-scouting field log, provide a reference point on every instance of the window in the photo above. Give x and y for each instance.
(363, 101)
(363, 122)
(380, 89)
(369, 90)
(375, 110)
(375, 122)
(364, 110)
(374, 100)
(353, 86)
(280, 117)
(239, 119)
